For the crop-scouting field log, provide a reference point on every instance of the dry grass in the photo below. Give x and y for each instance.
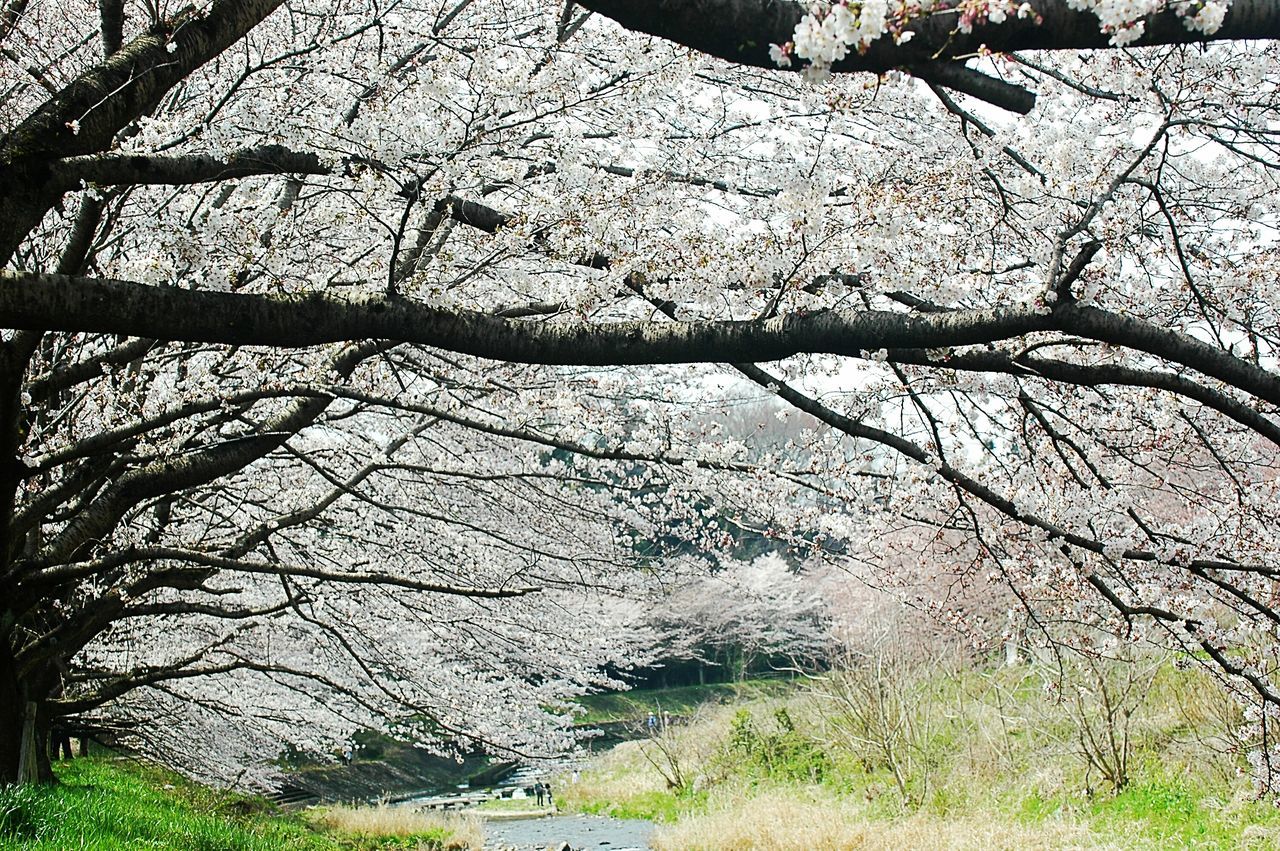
(637, 771)
(1000, 770)
(792, 820)
(466, 831)
(616, 775)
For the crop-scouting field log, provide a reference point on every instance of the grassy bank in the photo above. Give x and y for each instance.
(104, 804)
(943, 756)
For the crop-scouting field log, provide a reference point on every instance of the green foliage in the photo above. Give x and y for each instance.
(429, 840)
(370, 744)
(101, 804)
(658, 806)
(782, 753)
(1176, 811)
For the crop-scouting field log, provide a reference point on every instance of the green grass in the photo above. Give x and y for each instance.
(681, 700)
(1171, 812)
(107, 804)
(1162, 812)
(654, 805)
(990, 747)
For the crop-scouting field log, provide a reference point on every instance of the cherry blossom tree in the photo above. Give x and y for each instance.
(745, 616)
(294, 290)
(212, 550)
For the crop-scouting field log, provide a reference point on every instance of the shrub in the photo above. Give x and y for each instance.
(782, 754)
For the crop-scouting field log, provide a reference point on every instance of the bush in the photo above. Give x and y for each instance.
(780, 754)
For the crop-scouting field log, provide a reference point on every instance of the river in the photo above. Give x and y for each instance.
(531, 831)
(589, 833)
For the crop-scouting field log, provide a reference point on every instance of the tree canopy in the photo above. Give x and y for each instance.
(343, 362)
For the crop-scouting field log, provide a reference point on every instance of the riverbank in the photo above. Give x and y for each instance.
(943, 757)
(390, 770)
(105, 804)
(116, 804)
(1135, 756)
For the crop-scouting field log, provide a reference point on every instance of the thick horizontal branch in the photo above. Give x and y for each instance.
(136, 169)
(1134, 333)
(85, 115)
(742, 30)
(64, 303)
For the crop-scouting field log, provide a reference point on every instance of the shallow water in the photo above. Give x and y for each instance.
(592, 833)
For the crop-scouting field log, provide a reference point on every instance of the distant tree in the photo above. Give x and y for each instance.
(746, 617)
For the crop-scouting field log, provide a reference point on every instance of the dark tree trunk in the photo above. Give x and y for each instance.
(60, 745)
(44, 767)
(24, 729)
(14, 728)
(11, 718)
(28, 745)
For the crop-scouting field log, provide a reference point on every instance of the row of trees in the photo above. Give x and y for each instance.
(293, 290)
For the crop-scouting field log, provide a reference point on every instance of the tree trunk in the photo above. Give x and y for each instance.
(28, 746)
(60, 745)
(11, 721)
(42, 734)
(23, 730)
